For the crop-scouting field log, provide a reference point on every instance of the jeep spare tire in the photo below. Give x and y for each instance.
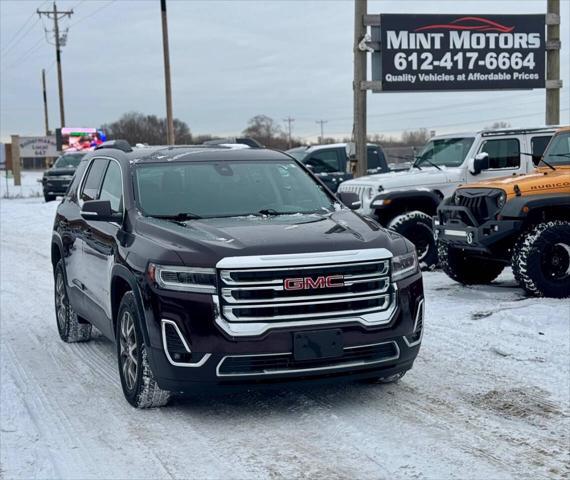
(463, 268)
(541, 259)
(417, 227)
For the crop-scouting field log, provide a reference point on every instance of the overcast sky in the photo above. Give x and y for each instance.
(232, 60)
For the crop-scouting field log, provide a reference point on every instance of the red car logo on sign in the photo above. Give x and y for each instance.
(309, 283)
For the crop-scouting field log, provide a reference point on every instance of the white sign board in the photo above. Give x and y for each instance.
(31, 147)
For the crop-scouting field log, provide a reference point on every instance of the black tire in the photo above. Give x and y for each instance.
(417, 227)
(137, 380)
(465, 269)
(71, 329)
(49, 198)
(541, 259)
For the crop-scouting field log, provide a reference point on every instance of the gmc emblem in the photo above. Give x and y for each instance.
(308, 283)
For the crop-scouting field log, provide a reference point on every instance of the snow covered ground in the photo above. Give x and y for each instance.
(489, 396)
(30, 187)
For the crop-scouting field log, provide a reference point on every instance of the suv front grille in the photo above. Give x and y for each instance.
(305, 292)
(280, 363)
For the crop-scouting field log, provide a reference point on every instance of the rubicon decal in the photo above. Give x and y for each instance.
(458, 52)
(309, 283)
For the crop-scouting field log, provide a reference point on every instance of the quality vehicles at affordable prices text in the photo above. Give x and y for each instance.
(523, 220)
(221, 267)
(407, 201)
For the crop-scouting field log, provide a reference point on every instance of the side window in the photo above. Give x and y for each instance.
(503, 153)
(324, 161)
(538, 145)
(112, 188)
(92, 183)
(376, 160)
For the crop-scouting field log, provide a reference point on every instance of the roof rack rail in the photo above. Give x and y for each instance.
(514, 131)
(122, 145)
(250, 142)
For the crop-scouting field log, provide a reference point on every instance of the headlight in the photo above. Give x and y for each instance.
(456, 199)
(187, 279)
(404, 265)
(501, 199)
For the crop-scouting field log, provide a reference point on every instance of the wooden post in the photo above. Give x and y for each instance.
(359, 127)
(553, 62)
(169, 119)
(16, 160)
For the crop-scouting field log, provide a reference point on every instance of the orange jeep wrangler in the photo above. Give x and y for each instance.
(521, 220)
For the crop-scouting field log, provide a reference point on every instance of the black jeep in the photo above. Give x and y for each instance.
(218, 267)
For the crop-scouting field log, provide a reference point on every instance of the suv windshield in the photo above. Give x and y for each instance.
(71, 160)
(227, 189)
(445, 152)
(558, 152)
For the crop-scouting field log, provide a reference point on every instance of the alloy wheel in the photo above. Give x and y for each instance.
(129, 350)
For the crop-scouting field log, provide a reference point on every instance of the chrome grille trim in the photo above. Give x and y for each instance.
(258, 301)
(340, 366)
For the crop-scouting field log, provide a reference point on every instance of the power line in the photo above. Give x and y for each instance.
(92, 14)
(11, 47)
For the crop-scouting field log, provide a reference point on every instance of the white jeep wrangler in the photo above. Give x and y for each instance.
(406, 201)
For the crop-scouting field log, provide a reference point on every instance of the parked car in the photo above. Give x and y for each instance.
(406, 201)
(224, 267)
(521, 220)
(329, 162)
(57, 179)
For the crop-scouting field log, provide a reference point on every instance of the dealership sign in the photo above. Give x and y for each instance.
(459, 52)
(33, 147)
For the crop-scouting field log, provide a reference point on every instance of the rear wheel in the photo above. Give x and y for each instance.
(139, 385)
(71, 329)
(541, 259)
(463, 268)
(417, 228)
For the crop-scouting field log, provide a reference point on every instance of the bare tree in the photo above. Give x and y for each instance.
(135, 127)
(497, 125)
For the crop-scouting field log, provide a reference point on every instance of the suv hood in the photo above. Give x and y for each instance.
(404, 179)
(58, 172)
(204, 242)
(543, 180)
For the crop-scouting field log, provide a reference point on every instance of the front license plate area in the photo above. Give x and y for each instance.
(318, 344)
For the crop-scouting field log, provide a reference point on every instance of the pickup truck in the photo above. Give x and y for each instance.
(406, 201)
(330, 162)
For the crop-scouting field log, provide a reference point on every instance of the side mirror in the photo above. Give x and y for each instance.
(99, 210)
(350, 199)
(479, 163)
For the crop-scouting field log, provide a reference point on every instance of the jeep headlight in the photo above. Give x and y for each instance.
(187, 279)
(404, 265)
(501, 199)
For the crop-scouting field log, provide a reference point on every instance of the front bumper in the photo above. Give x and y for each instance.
(458, 226)
(55, 187)
(216, 356)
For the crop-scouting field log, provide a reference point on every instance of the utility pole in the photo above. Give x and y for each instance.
(169, 120)
(553, 82)
(359, 127)
(56, 15)
(322, 123)
(289, 121)
(46, 120)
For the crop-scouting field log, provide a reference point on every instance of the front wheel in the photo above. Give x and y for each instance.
(463, 268)
(541, 259)
(417, 228)
(137, 380)
(49, 198)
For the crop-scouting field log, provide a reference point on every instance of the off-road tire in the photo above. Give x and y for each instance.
(49, 198)
(417, 227)
(465, 269)
(531, 254)
(70, 327)
(140, 388)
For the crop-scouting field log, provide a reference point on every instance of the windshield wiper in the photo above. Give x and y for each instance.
(540, 160)
(178, 217)
(416, 164)
(431, 163)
